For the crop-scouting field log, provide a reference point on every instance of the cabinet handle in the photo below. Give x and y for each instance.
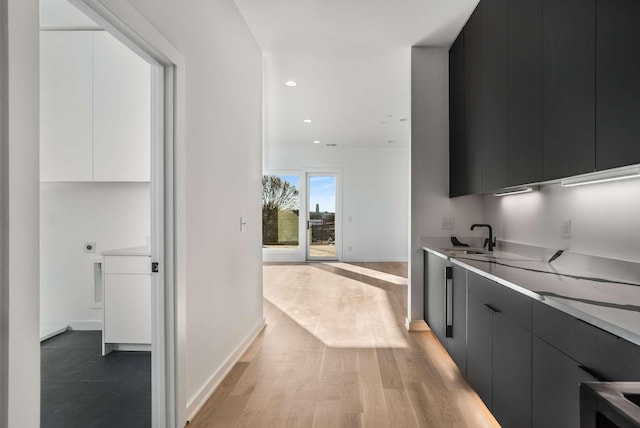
(492, 309)
(448, 303)
(592, 373)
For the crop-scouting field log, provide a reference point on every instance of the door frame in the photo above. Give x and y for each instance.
(168, 225)
(336, 172)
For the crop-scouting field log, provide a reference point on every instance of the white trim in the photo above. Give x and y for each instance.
(169, 326)
(86, 325)
(207, 390)
(416, 325)
(375, 259)
(4, 184)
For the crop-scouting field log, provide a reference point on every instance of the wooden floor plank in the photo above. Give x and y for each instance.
(335, 354)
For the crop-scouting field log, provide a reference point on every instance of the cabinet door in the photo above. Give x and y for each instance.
(480, 349)
(556, 387)
(435, 294)
(457, 156)
(65, 106)
(127, 308)
(494, 94)
(568, 86)
(618, 83)
(122, 112)
(457, 343)
(473, 100)
(524, 161)
(511, 373)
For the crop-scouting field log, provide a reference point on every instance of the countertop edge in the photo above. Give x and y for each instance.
(576, 313)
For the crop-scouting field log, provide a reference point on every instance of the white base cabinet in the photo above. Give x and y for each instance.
(127, 303)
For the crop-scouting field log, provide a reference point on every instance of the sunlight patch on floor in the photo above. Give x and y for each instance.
(339, 311)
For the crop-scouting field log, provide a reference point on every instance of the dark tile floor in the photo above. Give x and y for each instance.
(81, 388)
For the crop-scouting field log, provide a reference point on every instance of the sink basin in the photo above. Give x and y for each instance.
(634, 398)
(461, 251)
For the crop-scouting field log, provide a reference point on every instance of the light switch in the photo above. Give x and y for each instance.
(243, 224)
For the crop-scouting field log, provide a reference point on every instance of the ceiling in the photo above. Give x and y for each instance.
(352, 62)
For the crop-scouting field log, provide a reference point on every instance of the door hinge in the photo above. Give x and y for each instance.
(155, 267)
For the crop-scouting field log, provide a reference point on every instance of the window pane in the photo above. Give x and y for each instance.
(280, 211)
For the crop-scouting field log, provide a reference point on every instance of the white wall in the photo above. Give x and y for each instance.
(430, 168)
(375, 195)
(113, 215)
(605, 218)
(19, 182)
(223, 180)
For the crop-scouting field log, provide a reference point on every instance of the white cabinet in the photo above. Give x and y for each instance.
(95, 109)
(121, 112)
(127, 303)
(66, 88)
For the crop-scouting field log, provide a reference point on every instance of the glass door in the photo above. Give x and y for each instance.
(321, 217)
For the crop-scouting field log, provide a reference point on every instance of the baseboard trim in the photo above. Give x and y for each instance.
(416, 325)
(86, 325)
(207, 390)
(374, 259)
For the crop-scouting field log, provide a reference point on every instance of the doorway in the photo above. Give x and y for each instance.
(322, 215)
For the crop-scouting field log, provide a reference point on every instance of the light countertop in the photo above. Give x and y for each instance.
(610, 303)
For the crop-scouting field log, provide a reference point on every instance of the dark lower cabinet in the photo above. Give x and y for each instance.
(556, 387)
(511, 373)
(456, 344)
(568, 87)
(434, 293)
(617, 83)
(480, 349)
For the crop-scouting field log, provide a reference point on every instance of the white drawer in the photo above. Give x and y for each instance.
(127, 264)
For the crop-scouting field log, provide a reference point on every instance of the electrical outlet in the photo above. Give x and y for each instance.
(448, 223)
(565, 228)
(89, 247)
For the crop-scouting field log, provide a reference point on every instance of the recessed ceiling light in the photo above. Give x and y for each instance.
(391, 141)
(389, 115)
(291, 83)
(404, 119)
(383, 123)
(331, 145)
(316, 142)
(307, 121)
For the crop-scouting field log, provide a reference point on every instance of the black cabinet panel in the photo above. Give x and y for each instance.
(457, 156)
(618, 83)
(473, 101)
(494, 94)
(435, 294)
(457, 344)
(511, 373)
(514, 305)
(568, 86)
(611, 357)
(480, 349)
(524, 163)
(556, 387)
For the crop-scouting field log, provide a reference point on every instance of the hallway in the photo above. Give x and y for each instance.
(335, 353)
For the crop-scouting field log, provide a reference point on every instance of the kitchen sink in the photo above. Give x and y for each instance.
(462, 251)
(634, 398)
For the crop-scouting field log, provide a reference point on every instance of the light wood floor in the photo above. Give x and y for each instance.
(335, 354)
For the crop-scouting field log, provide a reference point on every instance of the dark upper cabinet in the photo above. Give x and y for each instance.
(494, 94)
(473, 101)
(568, 87)
(524, 162)
(617, 83)
(457, 156)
